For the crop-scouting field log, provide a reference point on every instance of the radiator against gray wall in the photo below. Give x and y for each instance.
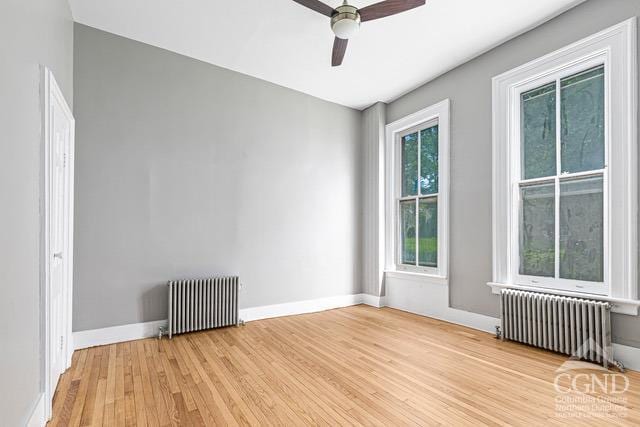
(469, 88)
(184, 169)
(32, 32)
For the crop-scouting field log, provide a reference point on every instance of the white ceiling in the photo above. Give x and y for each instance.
(290, 45)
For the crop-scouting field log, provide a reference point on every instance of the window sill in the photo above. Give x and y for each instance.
(418, 277)
(618, 305)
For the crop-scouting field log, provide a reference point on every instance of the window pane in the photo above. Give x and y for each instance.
(539, 132)
(428, 232)
(537, 230)
(582, 109)
(410, 164)
(429, 160)
(581, 231)
(408, 231)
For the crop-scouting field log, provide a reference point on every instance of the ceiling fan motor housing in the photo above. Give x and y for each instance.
(345, 23)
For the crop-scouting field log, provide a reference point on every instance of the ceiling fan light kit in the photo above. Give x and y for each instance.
(346, 19)
(345, 23)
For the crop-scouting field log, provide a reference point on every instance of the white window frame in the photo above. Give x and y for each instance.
(601, 288)
(615, 48)
(430, 116)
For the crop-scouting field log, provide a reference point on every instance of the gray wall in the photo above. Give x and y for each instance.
(469, 88)
(32, 32)
(373, 120)
(184, 169)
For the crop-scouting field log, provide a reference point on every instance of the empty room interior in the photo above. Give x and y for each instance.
(319, 212)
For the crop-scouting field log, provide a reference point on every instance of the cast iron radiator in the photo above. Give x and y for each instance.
(199, 304)
(573, 326)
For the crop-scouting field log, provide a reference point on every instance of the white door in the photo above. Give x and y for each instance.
(58, 243)
(57, 233)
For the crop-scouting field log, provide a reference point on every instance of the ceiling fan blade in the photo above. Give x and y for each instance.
(317, 5)
(387, 8)
(339, 49)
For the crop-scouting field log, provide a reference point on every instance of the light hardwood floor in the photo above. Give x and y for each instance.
(356, 365)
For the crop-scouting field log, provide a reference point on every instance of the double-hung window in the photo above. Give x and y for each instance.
(417, 149)
(561, 187)
(418, 197)
(565, 179)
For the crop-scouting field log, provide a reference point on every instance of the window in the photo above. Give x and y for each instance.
(560, 191)
(418, 200)
(417, 151)
(565, 179)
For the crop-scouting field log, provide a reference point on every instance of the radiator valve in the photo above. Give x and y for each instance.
(498, 332)
(162, 330)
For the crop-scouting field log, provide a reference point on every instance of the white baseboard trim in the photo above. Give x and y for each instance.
(115, 334)
(302, 307)
(416, 295)
(372, 300)
(470, 320)
(432, 300)
(458, 317)
(629, 356)
(37, 418)
(136, 331)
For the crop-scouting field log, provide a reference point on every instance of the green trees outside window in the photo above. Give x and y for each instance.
(418, 205)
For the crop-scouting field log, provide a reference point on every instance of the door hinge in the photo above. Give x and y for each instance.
(61, 342)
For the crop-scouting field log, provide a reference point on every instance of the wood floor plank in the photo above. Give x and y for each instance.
(275, 393)
(206, 388)
(352, 366)
(92, 405)
(129, 396)
(119, 389)
(290, 375)
(234, 398)
(150, 411)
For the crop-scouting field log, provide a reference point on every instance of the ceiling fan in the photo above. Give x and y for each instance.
(346, 19)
